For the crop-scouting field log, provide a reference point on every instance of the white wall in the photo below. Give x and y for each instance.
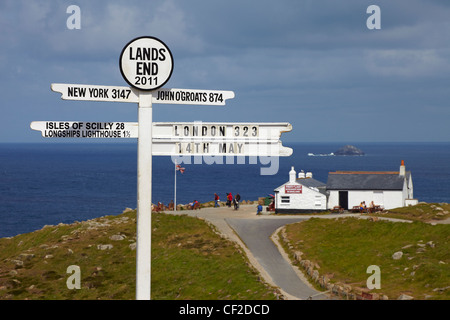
(333, 199)
(410, 189)
(386, 198)
(411, 202)
(309, 199)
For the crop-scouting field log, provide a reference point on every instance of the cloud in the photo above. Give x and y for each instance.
(406, 64)
(286, 60)
(171, 23)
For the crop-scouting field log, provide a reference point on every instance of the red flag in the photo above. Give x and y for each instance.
(179, 168)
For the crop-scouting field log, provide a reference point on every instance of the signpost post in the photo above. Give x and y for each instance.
(146, 64)
(144, 199)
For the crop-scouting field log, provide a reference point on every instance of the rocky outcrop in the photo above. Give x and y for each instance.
(349, 150)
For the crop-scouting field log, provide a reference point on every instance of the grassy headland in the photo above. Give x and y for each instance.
(342, 249)
(189, 261)
(425, 212)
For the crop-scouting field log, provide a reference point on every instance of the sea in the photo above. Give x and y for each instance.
(51, 183)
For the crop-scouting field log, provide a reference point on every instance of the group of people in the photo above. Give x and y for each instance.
(363, 207)
(192, 205)
(230, 200)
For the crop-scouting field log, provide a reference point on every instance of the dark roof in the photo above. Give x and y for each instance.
(313, 183)
(310, 182)
(350, 180)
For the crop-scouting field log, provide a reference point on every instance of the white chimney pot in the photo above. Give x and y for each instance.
(402, 169)
(292, 175)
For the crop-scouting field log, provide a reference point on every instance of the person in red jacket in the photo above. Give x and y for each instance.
(229, 199)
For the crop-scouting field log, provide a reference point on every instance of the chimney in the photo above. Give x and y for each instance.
(309, 174)
(402, 169)
(301, 175)
(292, 175)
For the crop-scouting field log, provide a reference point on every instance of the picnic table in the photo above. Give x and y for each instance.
(337, 209)
(375, 208)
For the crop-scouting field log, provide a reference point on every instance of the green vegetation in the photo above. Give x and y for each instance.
(426, 212)
(344, 248)
(194, 262)
(189, 261)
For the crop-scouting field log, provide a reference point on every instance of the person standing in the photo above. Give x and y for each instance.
(259, 209)
(237, 198)
(229, 199)
(216, 200)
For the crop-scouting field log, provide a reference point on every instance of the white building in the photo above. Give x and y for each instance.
(302, 194)
(388, 189)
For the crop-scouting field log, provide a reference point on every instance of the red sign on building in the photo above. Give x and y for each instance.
(293, 189)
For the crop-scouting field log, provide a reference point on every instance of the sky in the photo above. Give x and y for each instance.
(312, 63)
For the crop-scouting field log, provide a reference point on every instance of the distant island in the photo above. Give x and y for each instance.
(349, 150)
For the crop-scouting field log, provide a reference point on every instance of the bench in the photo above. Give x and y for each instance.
(337, 209)
(357, 209)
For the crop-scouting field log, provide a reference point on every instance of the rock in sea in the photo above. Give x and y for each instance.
(349, 150)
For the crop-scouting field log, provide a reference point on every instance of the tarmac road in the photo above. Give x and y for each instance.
(256, 235)
(253, 234)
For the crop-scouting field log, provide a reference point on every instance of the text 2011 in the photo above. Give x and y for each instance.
(153, 81)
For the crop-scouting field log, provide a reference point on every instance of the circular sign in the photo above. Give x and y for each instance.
(146, 63)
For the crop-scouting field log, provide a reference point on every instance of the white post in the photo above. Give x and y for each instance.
(175, 190)
(144, 198)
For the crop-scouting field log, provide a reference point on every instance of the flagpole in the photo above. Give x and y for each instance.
(175, 189)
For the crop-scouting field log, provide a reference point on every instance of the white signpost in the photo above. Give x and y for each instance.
(79, 129)
(190, 96)
(146, 64)
(82, 92)
(182, 138)
(219, 139)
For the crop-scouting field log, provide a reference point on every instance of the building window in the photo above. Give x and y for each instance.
(318, 201)
(285, 199)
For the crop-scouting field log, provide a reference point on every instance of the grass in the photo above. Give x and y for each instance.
(218, 272)
(344, 248)
(425, 212)
(189, 261)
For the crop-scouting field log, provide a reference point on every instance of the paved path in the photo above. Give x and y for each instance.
(253, 234)
(256, 235)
